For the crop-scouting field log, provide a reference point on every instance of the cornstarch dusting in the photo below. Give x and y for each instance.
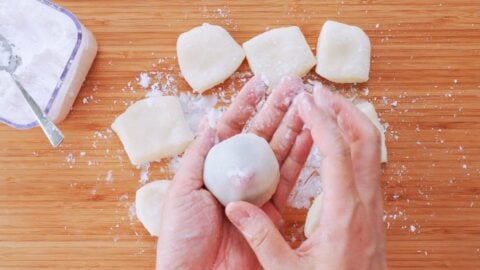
(44, 49)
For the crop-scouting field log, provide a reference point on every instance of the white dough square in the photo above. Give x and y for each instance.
(149, 201)
(207, 56)
(368, 109)
(152, 129)
(343, 53)
(279, 52)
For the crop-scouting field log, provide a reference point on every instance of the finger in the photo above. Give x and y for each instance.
(263, 237)
(286, 133)
(189, 176)
(291, 168)
(269, 117)
(363, 137)
(242, 108)
(352, 122)
(272, 213)
(337, 168)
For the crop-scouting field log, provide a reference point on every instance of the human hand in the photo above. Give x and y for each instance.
(350, 234)
(195, 233)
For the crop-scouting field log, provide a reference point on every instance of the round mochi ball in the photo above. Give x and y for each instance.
(242, 168)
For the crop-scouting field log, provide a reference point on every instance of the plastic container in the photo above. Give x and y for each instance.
(43, 25)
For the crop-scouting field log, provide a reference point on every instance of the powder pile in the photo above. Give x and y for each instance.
(44, 53)
(308, 184)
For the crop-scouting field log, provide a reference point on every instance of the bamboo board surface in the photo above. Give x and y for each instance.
(58, 211)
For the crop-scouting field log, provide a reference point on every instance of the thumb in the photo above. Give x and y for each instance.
(261, 234)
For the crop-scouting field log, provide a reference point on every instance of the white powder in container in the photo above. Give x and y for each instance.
(56, 53)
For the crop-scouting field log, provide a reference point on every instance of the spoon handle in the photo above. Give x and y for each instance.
(53, 134)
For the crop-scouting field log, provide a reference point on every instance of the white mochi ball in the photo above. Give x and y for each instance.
(149, 205)
(242, 168)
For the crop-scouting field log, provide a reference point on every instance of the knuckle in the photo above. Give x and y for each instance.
(343, 149)
(282, 107)
(259, 239)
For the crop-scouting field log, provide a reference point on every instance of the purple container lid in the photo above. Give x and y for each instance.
(64, 72)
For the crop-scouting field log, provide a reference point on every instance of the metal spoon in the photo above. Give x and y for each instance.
(53, 134)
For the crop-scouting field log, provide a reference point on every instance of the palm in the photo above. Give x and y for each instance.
(196, 234)
(202, 229)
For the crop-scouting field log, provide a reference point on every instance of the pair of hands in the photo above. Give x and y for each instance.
(197, 233)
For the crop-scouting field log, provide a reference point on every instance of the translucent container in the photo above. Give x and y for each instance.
(56, 53)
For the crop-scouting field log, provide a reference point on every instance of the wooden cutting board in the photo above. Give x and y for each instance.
(59, 211)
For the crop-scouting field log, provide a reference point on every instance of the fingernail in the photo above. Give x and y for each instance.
(239, 217)
(260, 86)
(323, 99)
(265, 80)
(305, 102)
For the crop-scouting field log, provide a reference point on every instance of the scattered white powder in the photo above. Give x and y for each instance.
(70, 160)
(213, 116)
(44, 51)
(219, 13)
(365, 91)
(4, 55)
(144, 173)
(132, 212)
(143, 80)
(109, 176)
(309, 183)
(195, 107)
(174, 164)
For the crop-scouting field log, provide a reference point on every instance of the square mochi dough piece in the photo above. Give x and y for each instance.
(279, 52)
(343, 53)
(152, 129)
(368, 109)
(207, 56)
(149, 205)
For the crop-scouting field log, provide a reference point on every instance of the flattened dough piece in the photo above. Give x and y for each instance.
(207, 55)
(149, 205)
(343, 53)
(313, 216)
(279, 52)
(152, 129)
(369, 110)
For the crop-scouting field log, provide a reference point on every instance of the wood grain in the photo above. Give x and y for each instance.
(60, 213)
